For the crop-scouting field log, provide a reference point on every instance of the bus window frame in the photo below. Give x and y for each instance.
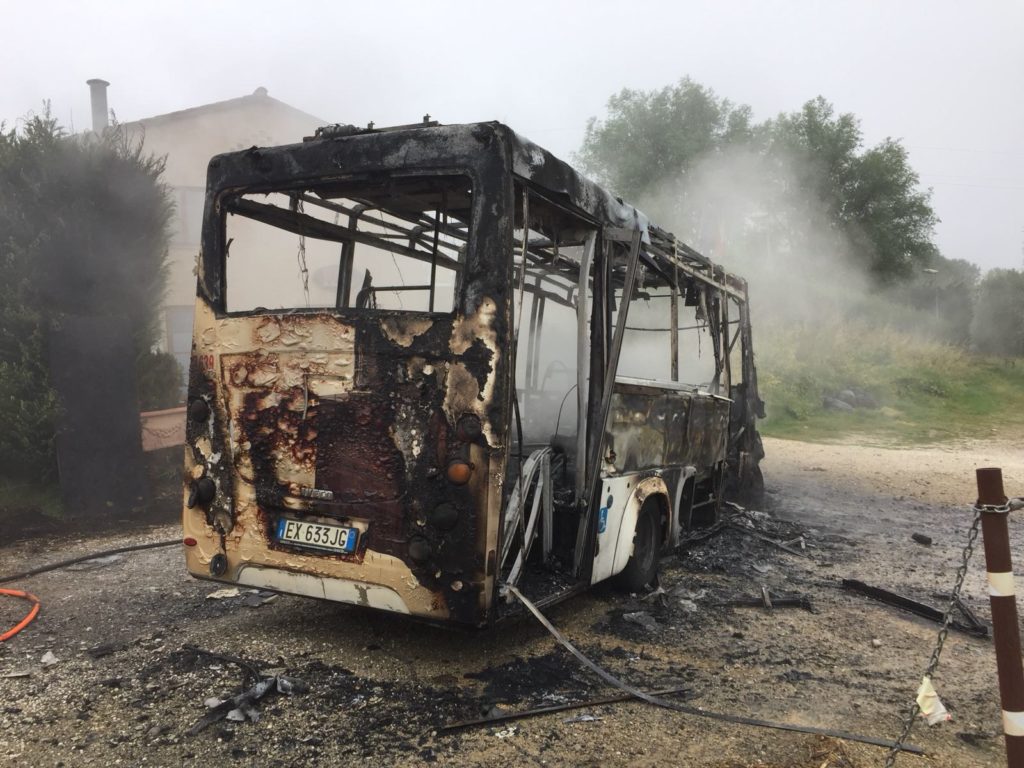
(220, 209)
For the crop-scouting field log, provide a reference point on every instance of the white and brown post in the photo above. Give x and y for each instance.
(1005, 630)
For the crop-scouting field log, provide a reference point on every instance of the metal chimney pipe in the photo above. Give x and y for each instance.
(98, 92)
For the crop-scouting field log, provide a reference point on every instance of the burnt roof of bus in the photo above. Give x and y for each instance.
(479, 148)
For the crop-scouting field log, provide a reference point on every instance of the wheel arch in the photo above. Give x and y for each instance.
(654, 490)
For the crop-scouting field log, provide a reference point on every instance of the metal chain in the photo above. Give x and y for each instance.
(933, 664)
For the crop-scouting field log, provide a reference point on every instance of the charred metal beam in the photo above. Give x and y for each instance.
(365, 205)
(773, 601)
(674, 323)
(975, 628)
(583, 311)
(310, 226)
(583, 535)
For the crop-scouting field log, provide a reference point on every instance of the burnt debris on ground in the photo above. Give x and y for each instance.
(137, 691)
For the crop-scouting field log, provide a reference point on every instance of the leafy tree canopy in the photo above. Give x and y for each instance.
(651, 141)
(649, 137)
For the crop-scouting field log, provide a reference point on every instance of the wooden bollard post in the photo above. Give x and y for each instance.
(1005, 631)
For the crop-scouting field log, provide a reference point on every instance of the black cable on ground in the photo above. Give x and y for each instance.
(694, 710)
(83, 558)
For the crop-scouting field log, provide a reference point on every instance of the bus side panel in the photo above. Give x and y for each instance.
(707, 432)
(652, 428)
(659, 438)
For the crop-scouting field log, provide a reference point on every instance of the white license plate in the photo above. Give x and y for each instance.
(334, 538)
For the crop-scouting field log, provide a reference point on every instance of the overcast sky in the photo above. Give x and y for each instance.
(945, 77)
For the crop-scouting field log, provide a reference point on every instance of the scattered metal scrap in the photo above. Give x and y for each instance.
(784, 547)
(642, 619)
(242, 706)
(972, 625)
(693, 710)
(105, 649)
(744, 521)
(584, 718)
(769, 600)
(700, 534)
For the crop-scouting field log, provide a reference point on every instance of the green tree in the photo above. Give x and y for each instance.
(84, 226)
(803, 164)
(650, 137)
(998, 324)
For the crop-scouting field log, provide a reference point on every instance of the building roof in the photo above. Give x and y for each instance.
(259, 97)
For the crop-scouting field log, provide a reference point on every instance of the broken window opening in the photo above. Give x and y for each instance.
(668, 340)
(397, 245)
(547, 356)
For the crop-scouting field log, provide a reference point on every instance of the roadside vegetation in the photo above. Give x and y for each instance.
(922, 391)
(850, 295)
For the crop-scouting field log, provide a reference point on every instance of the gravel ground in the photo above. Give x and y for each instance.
(129, 682)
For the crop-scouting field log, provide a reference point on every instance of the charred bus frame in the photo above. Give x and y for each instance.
(406, 428)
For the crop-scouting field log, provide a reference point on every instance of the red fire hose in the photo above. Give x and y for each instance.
(33, 612)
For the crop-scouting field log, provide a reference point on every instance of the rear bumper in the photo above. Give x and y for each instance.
(325, 588)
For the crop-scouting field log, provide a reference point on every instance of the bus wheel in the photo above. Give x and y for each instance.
(643, 564)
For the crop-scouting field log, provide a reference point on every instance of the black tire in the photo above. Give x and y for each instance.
(643, 563)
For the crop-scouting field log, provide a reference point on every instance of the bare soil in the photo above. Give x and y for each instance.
(128, 683)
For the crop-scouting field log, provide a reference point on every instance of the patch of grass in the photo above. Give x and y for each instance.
(927, 391)
(21, 497)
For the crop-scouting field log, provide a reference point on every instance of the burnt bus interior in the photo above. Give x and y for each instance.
(519, 335)
(680, 345)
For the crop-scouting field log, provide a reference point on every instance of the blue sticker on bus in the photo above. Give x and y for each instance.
(602, 520)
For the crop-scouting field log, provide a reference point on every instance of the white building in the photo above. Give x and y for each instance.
(189, 138)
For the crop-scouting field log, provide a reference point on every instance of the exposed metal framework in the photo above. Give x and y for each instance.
(356, 413)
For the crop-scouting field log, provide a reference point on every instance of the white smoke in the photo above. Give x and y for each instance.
(760, 217)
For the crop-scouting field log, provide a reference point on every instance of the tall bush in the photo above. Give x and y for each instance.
(84, 228)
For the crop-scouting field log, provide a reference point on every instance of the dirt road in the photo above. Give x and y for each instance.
(128, 684)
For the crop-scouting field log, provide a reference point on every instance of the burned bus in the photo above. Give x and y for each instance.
(432, 361)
